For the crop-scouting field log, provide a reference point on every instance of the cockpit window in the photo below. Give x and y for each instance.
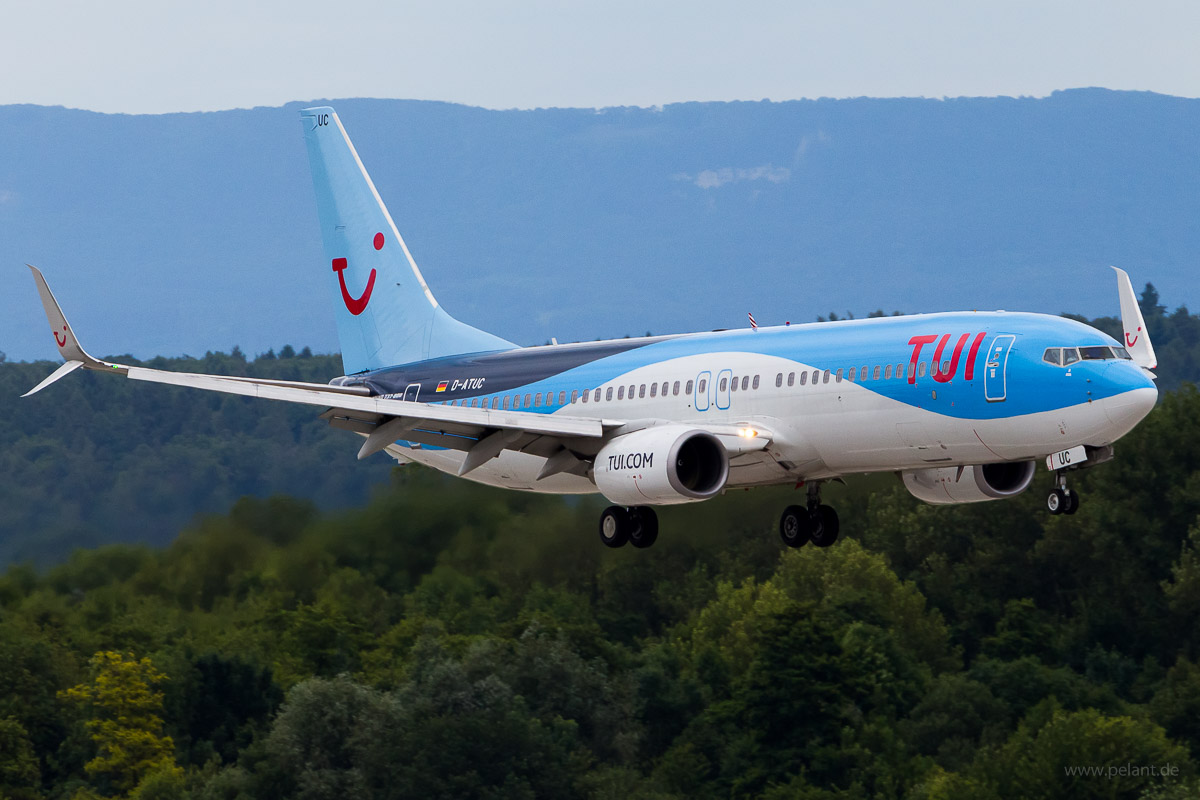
(1070, 356)
(1122, 353)
(1095, 353)
(1053, 356)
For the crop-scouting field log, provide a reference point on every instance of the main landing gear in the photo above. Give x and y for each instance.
(816, 523)
(637, 525)
(1062, 500)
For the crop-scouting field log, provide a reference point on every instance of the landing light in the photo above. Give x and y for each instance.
(747, 433)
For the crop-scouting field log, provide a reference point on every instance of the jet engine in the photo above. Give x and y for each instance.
(662, 465)
(973, 484)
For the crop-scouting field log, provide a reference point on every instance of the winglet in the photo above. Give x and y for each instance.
(68, 344)
(1137, 338)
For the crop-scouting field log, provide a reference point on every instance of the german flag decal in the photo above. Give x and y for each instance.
(442, 386)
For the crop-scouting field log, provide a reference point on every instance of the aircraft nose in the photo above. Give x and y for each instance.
(1129, 408)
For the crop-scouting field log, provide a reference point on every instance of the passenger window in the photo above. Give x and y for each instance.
(745, 382)
(724, 383)
(575, 395)
(621, 393)
(733, 384)
(792, 378)
(875, 374)
(596, 397)
(654, 390)
(803, 378)
(665, 388)
(1053, 355)
(779, 380)
(495, 402)
(641, 391)
(1070, 356)
(887, 372)
(586, 395)
(945, 368)
(506, 402)
(851, 373)
(838, 378)
(608, 395)
(528, 398)
(921, 369)
(631, 390)
(755, 384)
(537, 399)
(675, 388)
(562, 398)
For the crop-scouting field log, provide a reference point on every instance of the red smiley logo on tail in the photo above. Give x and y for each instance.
(355, 305)
(1131, 342)
(63, 341)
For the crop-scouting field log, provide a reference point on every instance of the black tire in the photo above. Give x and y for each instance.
(643, 530)
(826, 533)
(795, 526)
(614, 526)
(1072, 502)
(1056, 501)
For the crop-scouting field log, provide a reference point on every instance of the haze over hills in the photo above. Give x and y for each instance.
(184, 233)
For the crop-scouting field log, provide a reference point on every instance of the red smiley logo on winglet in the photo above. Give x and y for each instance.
(63, 341)
(1130, 342)
(356, 305)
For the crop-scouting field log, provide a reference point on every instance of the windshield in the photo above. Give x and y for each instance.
(1095, 353)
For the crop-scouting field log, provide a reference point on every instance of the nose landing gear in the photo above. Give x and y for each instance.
(1062, 500)
(816, 523)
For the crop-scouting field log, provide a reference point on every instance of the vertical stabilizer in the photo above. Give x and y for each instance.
(386, 314)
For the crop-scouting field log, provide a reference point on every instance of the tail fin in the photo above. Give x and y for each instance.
(386, 314)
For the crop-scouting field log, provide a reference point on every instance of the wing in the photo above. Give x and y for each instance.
(481, 433)
(566, 442)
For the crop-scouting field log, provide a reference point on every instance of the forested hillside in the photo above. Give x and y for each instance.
(447, 640)
(96, 459)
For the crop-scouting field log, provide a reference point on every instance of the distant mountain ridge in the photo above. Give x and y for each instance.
(192, 232)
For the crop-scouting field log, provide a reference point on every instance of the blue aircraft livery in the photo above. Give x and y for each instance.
(963, 406)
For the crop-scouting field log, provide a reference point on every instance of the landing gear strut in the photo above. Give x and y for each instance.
(1062, 500)
(814, 523)
(637, 525)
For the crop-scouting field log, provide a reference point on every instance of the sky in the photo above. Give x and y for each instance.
(156, 56)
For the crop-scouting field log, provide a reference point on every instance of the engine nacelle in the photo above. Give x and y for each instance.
(662, 465)
(944, 485)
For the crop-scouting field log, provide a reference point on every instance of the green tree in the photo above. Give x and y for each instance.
(1044, 759)
(125, 719)
(19, 773)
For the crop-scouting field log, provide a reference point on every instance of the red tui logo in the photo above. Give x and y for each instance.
(63, 343)
(356, 305)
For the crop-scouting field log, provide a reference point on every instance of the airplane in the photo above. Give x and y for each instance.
(962, 406)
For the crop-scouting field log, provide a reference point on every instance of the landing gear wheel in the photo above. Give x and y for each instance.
(825, 531)
(1057, 501)
(794, 526)
(614, 526)
(1072, 502)
(643, 530)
